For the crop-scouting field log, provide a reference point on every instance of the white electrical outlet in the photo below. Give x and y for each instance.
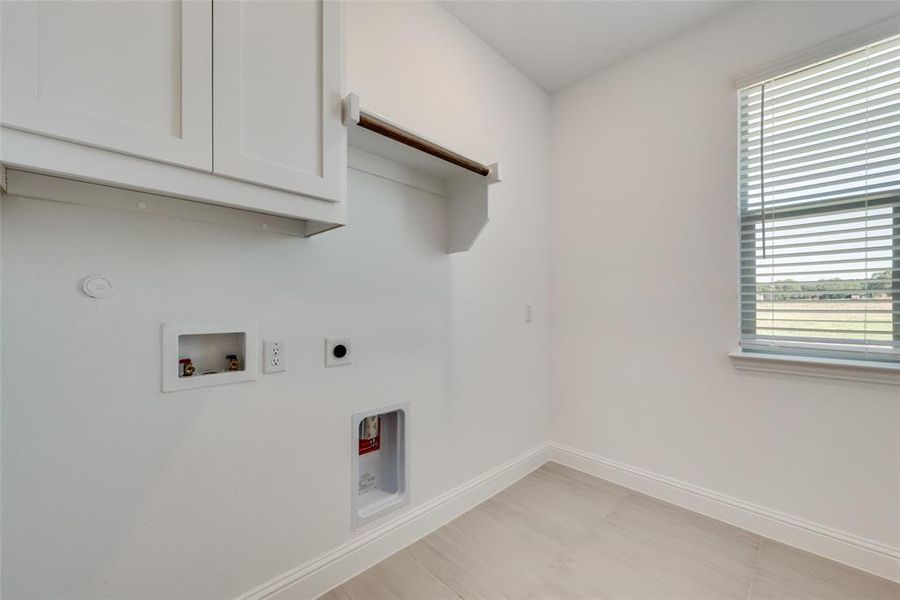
(273, 356)
(338, 351)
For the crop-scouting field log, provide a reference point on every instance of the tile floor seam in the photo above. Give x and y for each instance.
(433, 575)
(430, 574)
(755, 567)
(624, 530)
(572, 549)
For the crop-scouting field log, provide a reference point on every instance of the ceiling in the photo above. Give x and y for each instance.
(559, 42)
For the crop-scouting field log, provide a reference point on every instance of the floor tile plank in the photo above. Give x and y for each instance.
(649, 549)
(399, 577)
(507, 546)
(786, 572)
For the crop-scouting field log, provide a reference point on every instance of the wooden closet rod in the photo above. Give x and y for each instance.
(381, 127)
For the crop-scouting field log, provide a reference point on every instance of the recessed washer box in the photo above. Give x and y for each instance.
(380, 452)
(207, 346)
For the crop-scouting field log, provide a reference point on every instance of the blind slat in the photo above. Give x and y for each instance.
(859, 143)
(860, 158)
(827, 244)
(866, 128)
(829, 196)
(875, 78)
(829, 71)
(830, 109)
(886, 164)
(858, 121)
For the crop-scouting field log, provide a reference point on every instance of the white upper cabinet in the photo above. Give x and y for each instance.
(225, 102)
(131, 77)
(277, 94)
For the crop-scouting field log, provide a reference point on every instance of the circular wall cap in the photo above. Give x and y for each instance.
(97, 286)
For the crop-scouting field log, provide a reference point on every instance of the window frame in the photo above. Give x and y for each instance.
(852, 366)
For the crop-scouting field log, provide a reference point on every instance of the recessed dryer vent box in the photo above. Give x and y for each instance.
(218, 354)
(380, 462)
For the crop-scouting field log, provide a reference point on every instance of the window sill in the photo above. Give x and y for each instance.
(828, 368)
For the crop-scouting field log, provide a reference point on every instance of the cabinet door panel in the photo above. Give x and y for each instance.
(134, 77)
(277, 75)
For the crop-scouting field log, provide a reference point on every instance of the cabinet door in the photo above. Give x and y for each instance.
(277, 94)
(134, 77)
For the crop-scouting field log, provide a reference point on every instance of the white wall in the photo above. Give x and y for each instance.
(644, 300)
(114, 490)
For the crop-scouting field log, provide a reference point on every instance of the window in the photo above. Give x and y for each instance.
(819, 193)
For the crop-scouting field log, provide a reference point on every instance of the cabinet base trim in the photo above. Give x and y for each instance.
(69, 191)
(37, 154)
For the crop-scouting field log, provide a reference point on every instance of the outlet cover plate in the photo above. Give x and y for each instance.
(273, 356)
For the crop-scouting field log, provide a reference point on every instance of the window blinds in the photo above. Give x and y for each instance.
(819, 190)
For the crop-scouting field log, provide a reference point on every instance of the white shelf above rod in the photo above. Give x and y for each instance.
(464, 181)
(354, 115)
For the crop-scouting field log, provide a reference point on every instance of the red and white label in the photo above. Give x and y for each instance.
(369, 435)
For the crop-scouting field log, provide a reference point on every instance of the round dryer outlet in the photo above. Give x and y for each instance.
(338, 351)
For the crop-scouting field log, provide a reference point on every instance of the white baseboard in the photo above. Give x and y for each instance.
(867, 555)
(329, 570)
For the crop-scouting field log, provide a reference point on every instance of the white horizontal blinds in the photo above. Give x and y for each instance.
(819, 186)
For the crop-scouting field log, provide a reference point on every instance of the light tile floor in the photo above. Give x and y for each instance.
(560, 534)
